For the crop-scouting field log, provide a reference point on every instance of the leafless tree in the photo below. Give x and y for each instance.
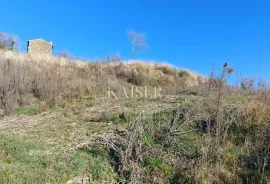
(137, 41)
(64, 54)
(247, 83)
(114, 58)
(7, 41)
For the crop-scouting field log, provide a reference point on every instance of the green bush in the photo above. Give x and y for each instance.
(183, 73)
(156, 164)
(119, 118)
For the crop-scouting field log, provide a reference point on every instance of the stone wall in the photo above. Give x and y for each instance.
(39, 47)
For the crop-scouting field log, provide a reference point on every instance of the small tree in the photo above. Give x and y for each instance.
(137, 41)
(64, 54)
(7, 41)
(114, 58)
(247, 83)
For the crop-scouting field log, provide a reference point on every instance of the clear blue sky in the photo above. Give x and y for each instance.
(191, 34)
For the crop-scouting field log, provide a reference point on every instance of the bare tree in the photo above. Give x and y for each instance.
(7, 41)
(137, 41)
(64, 54)
(247, 83)
(114, 58)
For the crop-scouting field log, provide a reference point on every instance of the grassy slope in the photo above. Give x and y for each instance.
(60, 144)
(56, 135)
(46, 147)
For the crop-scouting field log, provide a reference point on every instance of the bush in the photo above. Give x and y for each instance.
(183, 73)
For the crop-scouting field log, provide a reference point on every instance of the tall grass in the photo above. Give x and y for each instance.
(51, 79)
(218, 137)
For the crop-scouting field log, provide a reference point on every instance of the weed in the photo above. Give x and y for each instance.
(26, 111)
(148, 140)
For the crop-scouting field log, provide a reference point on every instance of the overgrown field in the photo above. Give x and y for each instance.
(57, 124)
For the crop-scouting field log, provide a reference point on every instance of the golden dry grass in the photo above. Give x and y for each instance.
(51, 79)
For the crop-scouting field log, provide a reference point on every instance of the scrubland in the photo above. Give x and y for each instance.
(58, 125)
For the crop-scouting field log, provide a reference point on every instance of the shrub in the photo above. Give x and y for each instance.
(247, 83)
(183, 73)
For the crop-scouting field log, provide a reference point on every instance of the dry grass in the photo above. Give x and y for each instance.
(196, 133)
(52, 79)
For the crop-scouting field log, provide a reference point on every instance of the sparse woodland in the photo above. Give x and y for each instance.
(57, 124)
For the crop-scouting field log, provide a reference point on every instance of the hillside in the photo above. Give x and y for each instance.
(58, 125)
(52, 79)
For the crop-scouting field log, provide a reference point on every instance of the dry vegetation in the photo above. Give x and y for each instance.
(59, 125)
(7, 41)
(52, 79)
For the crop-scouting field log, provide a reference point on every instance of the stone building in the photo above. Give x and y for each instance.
(39, 46)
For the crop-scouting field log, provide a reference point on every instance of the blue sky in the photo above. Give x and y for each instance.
(191, 34)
